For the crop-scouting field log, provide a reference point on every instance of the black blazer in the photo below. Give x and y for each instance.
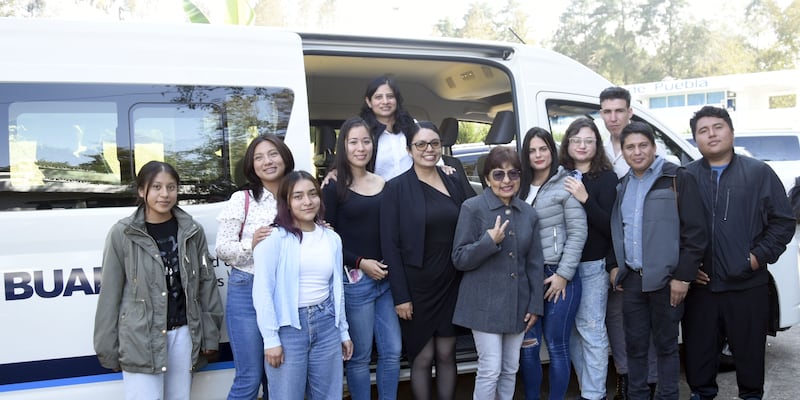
(403, 225)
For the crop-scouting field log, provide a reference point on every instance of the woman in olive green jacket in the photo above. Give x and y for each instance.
(159, 309)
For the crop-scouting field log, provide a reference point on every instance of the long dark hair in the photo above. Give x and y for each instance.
(253, 181)
(600, 160)
(284, 217)
(402, 119)
(525, 159)
(146, 175)
(344, 175)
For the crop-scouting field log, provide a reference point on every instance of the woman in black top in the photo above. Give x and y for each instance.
(594, 185)
(352, 207)
(419, 213)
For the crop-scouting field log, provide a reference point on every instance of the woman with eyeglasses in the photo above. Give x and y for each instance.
(562, 231)
(419, 213)
(497, 246)
(582, 150)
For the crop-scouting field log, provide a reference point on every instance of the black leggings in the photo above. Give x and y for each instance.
(443, 348)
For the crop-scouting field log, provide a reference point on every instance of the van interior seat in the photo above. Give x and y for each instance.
(501, 132)
(449, 132)
(324, 147)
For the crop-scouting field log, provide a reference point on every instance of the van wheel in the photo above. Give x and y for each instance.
(726, 359)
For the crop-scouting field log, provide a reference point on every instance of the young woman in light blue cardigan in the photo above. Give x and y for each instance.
(298, 296)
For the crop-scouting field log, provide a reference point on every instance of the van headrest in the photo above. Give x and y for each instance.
(325, 140)
(449, 131)
(503, 128)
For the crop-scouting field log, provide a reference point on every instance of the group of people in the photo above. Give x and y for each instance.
(581, 247)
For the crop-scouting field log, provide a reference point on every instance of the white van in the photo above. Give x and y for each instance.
(86, 104)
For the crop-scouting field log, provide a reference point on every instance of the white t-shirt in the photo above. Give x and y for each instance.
(316, 268)
(532, 194)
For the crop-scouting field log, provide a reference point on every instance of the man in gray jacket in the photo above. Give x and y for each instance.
(659, 239)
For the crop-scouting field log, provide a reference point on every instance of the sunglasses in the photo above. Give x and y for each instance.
(422, 145)
(499, 175)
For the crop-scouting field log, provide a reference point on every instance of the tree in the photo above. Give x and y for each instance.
(511, 18)
(480, 23)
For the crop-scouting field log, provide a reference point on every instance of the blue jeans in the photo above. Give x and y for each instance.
(556, 324)
(370, 314)
(312, 366)
(246, 343)
(588, 344)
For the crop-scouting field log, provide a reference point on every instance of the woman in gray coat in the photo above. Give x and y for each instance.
(497, 246)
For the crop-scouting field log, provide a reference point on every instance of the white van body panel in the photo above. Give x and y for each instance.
(68, 243)
(64, 241)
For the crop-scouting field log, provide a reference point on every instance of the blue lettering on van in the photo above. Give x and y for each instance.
(23, 285)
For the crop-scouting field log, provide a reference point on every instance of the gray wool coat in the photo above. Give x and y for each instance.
(501, 283)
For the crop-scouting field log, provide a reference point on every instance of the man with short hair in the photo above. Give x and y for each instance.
(659, 239)
(750, 222)
(616, 111)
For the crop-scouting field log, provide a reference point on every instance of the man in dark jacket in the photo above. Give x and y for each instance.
(750, 222)
(659, 238)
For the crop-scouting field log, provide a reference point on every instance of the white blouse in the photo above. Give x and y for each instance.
(239, 253)
(392, 158)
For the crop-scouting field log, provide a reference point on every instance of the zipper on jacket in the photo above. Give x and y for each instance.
(555, 239)
(727, 203)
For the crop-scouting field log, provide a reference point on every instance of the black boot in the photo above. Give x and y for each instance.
(652, 390)
(621, 392)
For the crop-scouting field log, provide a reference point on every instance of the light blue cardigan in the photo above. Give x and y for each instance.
(276, 283)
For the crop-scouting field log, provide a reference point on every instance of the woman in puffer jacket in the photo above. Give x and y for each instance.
(563, 231)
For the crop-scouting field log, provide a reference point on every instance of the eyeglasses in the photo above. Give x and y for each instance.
(422, 145)
(585, 141)
(499, 175)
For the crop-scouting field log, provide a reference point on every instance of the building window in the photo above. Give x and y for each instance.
(658, 102)
(715, 98)
(695, 99)
(783, 101)
(676, 101)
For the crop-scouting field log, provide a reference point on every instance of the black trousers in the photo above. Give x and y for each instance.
(742, 318)
(646, 314)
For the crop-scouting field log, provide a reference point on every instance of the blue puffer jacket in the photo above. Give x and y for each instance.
(562, 225)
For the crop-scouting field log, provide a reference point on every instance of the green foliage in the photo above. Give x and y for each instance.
(237, 12)
(480, 22)
(469, 132)
(193, 13)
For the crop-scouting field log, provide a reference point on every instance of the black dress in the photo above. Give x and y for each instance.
(434, 287)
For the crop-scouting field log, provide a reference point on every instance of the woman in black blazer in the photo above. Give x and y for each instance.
(419, 213)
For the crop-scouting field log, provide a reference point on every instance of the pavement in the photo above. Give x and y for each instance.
(782, 378)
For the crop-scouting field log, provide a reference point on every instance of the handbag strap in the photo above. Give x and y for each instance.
(246, 209)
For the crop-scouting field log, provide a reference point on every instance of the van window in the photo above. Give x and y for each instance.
(561, 113)
(80, 145)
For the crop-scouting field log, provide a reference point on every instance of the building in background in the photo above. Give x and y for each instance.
(757, 101)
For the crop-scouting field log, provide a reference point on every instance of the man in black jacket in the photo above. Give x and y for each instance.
(750, 223)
